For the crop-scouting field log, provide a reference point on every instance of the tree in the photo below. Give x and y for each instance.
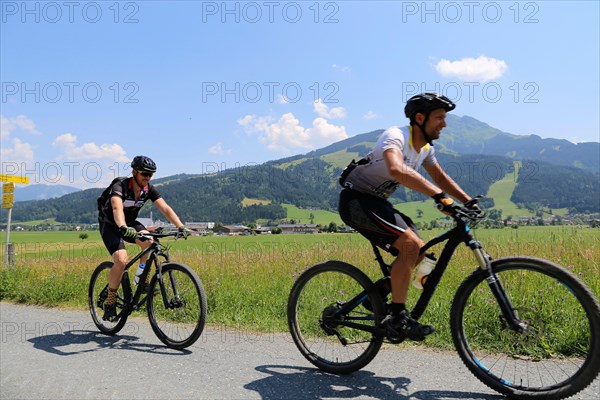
(83, 236)
(332, 227)
(494, 214)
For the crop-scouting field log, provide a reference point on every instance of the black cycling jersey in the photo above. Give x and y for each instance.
(131, 205)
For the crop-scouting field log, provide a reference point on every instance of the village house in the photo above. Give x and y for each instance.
(298, 228)
(232, 230)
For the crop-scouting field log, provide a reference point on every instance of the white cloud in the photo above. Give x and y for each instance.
(218, 149)
(323, 110)
(341, 68)
(473, 69)
(281, 99)
(20, 122)
(19, 152)
(245, 121)
(286, 134)
(370, 115)
(67, 142)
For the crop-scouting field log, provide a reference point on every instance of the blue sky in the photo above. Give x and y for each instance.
(201, 86)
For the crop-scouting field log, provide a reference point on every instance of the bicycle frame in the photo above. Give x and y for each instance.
(461, 233)
(153, 251)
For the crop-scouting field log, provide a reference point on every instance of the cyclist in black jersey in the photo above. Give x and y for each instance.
(118, 224)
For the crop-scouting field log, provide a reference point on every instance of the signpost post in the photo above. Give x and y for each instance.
(8, 198)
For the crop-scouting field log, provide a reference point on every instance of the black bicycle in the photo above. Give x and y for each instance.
(524, 326)
(174, 297)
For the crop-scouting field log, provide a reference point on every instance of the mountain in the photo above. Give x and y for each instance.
(466, 135)
(41, 191)
(552, 173)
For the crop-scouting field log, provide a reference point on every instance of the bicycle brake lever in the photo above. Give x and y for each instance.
(142, 237)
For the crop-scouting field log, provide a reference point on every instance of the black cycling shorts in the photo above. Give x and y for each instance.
(112, 237)
(375, 218)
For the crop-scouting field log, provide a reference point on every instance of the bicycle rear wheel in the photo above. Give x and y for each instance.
(97, 292)
(318, 330)
(555, 357)
(177, 314)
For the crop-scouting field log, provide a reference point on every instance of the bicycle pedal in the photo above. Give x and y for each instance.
(110, 318)
(393, 340)
(393, 336)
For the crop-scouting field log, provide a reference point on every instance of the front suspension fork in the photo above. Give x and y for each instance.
(508, 311)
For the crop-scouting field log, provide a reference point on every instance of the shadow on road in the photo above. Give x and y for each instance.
(309, 383)
(79, 342)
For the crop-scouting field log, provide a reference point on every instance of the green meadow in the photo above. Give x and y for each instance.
(502, 190)
(248, 279)
(307, 216)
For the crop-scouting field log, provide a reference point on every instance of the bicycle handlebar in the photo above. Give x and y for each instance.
(158, 234)
(468, 216)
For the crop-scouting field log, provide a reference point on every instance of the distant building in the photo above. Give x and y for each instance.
(262, 230)
(298, 228)
(201, 228)
(200, 225)
(233, 230)
(145, 221)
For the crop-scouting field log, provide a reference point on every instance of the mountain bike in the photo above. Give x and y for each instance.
(174, 297)
(524, 326)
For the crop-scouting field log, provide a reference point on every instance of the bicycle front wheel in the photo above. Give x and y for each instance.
(177, 306)
(557, 354)
(318, 329)
(97, 293)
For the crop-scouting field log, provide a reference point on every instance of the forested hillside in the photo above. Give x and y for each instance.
(467, 151)
(558, 187)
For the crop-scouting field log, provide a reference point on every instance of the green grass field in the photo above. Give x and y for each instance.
(303, 216)
(502, 190)
(340, 158)
(250, 202)
(248, 279)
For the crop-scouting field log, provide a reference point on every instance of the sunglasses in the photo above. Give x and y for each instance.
(145, 174)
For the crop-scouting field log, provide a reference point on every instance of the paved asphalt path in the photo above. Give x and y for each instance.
(59, 354)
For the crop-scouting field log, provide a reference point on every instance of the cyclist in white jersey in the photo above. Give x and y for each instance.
(394, 161)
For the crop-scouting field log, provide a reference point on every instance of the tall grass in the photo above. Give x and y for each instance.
(248, 279)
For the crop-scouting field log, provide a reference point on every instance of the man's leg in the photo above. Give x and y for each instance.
(399, 322)
(408, 245)
(114, 280)
(144, 245)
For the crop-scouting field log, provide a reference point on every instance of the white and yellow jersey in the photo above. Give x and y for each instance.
(373, 177)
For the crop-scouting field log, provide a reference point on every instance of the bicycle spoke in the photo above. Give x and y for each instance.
(317, 323)
(97, 293)
(178, 317)
(553, 353)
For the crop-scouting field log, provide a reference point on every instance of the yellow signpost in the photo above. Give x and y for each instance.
(14, 179)
(8, 198)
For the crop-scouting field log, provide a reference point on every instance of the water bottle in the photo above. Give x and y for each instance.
(423, 270)
(138, 273)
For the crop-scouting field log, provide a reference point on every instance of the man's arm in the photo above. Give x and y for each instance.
(168, 212)
(406, 175)
(117, 208)
(446, 183)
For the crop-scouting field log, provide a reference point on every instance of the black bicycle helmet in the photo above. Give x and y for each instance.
(427, 102)
(143, 164)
